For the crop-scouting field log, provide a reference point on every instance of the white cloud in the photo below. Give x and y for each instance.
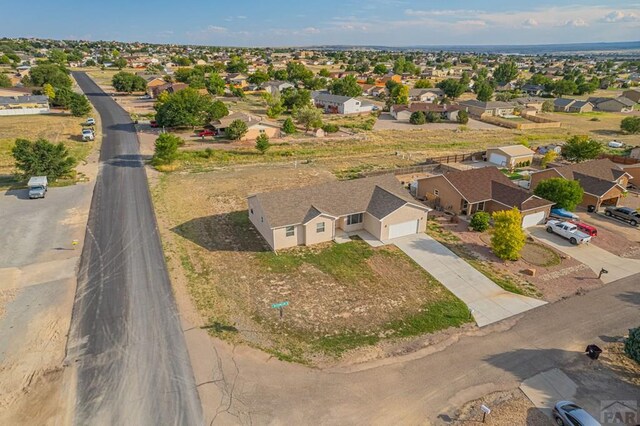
(620, 16)
(241, 17)
(530, 23)
(311, 30)
(578, 22)
(472, 22)
(442, 12)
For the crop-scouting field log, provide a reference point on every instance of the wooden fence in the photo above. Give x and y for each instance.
(620, 159)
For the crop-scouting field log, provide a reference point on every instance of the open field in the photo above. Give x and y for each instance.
(341, 296)
(602, 126)
(53, 127)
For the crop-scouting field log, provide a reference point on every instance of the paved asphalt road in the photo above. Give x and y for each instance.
(126, 343)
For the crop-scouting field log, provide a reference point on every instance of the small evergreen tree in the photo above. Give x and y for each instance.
(166, 149)
(262, 143)
(480, 221)
(463, 117)
(632, 344)
(417, 117)
(288, 127)
(236, 130)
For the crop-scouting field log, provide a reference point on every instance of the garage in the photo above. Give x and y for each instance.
(533, 219)
(500, 160)
(403, 229)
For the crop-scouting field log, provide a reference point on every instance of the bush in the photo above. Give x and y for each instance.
(632, 344)
(236, 130)
(508, 237)
(42, 158)
(166, 149)
(631, 125)
(417, 118)
(463, 117)
(480, 221)
(262, 143)
(288, 127)
(330, 128)
(433, 117)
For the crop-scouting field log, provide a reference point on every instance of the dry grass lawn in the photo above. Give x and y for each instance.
(341, 296)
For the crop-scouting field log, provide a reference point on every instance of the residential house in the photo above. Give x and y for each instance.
(572, 105)
(335, 104)
(24, 105)
(533, 104)
(167, 87)
(619, 104)
(532, 89)
(510, 156)
(478, 108)
(634, 173)
(237, 80)
(276, 87)
(632, 94)
(153, 81)
(426, 95)
(446, 112)
(255, 125)
(635, 153)
(603, 181)
(482, 189)
(395, 78)
(378, 205)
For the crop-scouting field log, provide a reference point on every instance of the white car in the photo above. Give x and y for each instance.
(87, 135)
(615, 144)
(569, 231)
(90, 121)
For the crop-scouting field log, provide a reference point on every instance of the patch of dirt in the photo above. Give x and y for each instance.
(507, 409)
(614, 358)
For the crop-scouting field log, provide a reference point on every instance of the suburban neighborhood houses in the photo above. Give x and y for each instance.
(215, 233)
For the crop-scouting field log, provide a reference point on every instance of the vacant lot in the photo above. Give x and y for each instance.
(53, 127)
(602, 126)
(340, 296)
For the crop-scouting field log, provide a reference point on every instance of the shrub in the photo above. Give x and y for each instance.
(417, 118)
(632, 344)
(166, 149)
(631, 125)
(262, 143)
(236, 130)
(508, 237)
(480, 221)
(463, 117)
(433, 117)
(330, 128)
(288, 127)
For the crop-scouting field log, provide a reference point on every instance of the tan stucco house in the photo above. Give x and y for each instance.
(316, 214)
(603, 181)
(255, 126)
(510, 156)
(484, 189)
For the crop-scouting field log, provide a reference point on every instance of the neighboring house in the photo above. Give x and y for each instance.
(24, 105)
(533, 89)
(167, 87)
(603, 181)
(255, 125)
(319, 213)
(153, 81)
(335, 104)
(619, 104)
(510, 156)
(237, 80)
(635, 153)
(632, 94)
(634, 173)
(426, 95)
(446, 112)
(478, 108)
(506, 87)
(483, 189)
(572, 105)
(276, 87)
(532, 103)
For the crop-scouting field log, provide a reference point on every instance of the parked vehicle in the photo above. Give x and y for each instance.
(153, 123)
(567, 413)
(569, 231)
(145, 97)
(623, 213)
(87, 135)
(204, 133)
(615, 144)
(90, 122)
(587, 229)
(562, 213)
(38, 186)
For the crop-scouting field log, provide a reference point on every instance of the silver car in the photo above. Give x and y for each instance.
(566, 413)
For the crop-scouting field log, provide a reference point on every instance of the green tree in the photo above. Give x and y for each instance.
(480, 221)
(580, 148)
(632, 344)
(258, 77)
(548, 157)
(274, 110)
(564, 87)
(216, 84)
(506, 72)
(484, 91)
(236, 130)
(62, 97)
(630, 125)
(185, 108)
(54, 74)
(128, 82)
(79, 105)
(237, 65)
(380, 69)
(452, 88)
(347, 86)
(463, 117)
(4, 80)
(295, 98)
(309, 117)
(262, 143)
(432, 117)
(120, 63)
(42, 158)
(399, 95)
(324, 72)
(49, 91)
(423, 83)
(567, 194)
(547, 106)
(58, 56)
(507, 238)
(298, 73)
(218, 110)
(166, 149)
(288, 127)
(417, 118)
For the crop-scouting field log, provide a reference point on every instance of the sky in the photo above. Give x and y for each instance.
(254, 23)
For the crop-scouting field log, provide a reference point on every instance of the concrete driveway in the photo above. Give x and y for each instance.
(488, 302)
(592, 256)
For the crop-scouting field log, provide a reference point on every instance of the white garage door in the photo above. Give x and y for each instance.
(402, 229)
(532, 219)
(498, 159)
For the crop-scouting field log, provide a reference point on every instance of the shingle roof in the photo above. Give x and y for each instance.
(486, 105)
(515, 150)
(596, 177)
(328, 97)
(514, 196)
(28, 99)
(377, 195)
(563, 102)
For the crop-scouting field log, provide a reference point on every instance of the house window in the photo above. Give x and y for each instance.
(436, 192)
(320, 227)
(290, 231)
(481, 206)
(354, 218)
(465, 204)
(261, 219)
(251, 211)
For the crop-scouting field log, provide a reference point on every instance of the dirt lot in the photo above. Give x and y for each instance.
(507, 409)
(603, 126)
(341, 296)
(387, 122)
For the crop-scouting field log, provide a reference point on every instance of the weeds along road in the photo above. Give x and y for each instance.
(126, 348)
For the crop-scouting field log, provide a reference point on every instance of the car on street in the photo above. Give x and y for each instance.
(204, 133)
(623, 213)
(567, 413)
(568, 231)
(87, 135)
(38, 186)
(153, 123)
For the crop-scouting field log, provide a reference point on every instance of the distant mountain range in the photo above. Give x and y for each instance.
(537, 49)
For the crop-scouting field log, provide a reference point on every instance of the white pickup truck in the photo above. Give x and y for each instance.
(569, 231)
